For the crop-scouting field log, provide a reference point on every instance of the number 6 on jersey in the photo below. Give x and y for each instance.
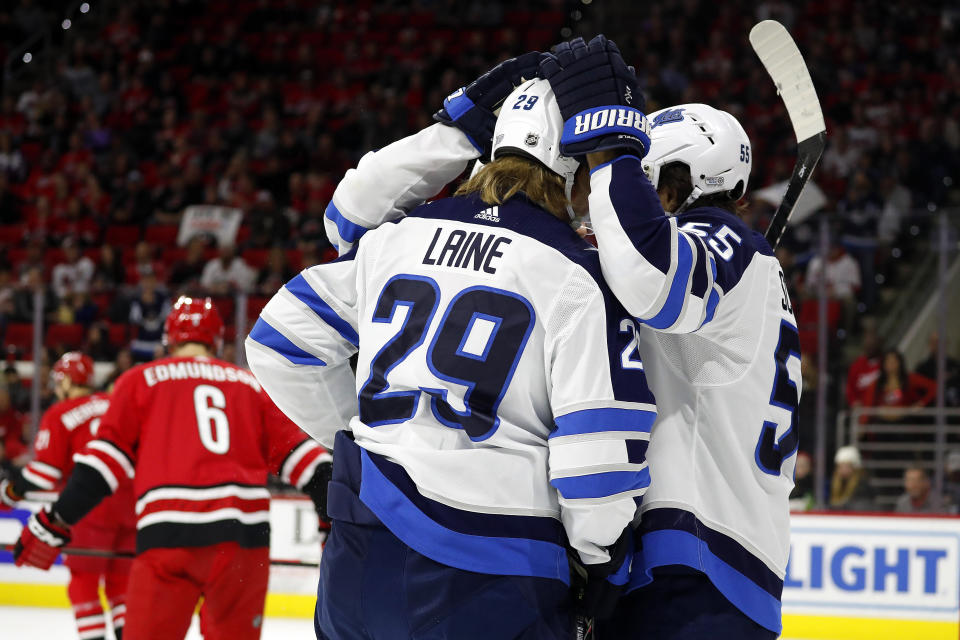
(209, 403)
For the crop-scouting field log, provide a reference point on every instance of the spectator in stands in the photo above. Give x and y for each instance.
(802, 497)
(850, 488)
(11, 206)
(928, 369)
(269, 225)
(19, 394)
(227, 273)
(860, 212)
(185, 274)
(896, 390)
(8, 294)
(148, 309)
(110, 274)
(12, 164)
(146, 263)
(952, 480)
(842, 277)
(25, 297)
(275, 273)
(74, 274)
(76, 308)
(121, 363)
(32, 260)
(97, 345)
(865, 369)
(12, 436)
(171, 201)
(917, 496)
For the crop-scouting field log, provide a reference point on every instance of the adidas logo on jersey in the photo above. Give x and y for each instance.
(490, 215)
(610, 117)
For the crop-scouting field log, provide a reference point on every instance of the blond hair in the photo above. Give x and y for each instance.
(506, 176)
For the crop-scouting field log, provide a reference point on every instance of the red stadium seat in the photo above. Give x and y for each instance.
(227, 307)
(20, 336)
(12, 233)
(125, 235)
(164, 235)
(255, 305)
(68, 336)
(256, 258)
(118, 335)
(53, 257)
(103, 301)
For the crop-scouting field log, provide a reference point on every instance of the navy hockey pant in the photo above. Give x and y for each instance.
(680, 604)
(374, 587)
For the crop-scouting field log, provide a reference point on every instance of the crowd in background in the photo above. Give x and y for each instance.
(262, 105)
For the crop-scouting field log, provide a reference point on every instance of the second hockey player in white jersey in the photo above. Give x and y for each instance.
(721, 348)
(503, 410)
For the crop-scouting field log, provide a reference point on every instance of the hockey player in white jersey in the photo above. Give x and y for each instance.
(721, 348)
(503, 409)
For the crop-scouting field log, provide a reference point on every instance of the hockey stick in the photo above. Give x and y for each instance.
(107, 553)
(780, 55)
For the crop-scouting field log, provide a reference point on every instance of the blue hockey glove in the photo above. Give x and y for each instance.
(598, 98)
(471, 108)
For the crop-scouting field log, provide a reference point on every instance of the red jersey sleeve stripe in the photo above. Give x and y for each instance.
(304, 471)
(101, 466)
(107, 448)
(47, 470)
(37, 478)
(306, 448)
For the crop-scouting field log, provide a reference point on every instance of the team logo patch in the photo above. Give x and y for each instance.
(531, 140)
(670, 115)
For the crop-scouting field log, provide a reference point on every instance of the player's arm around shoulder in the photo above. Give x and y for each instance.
(389, 182)
(603, 411)
(664, 274)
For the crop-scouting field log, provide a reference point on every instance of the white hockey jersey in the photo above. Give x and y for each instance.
(503, 410)
(721, 348)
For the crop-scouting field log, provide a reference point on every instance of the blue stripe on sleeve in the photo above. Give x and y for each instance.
(266, 335)
(670, 311)
(601, 485)
(712, 305)
(598, 420)
(302, 290)
(349, 231)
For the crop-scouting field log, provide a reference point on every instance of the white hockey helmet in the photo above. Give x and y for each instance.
(530, 124)
(709, 141)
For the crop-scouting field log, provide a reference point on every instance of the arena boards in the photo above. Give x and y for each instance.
(850, 577)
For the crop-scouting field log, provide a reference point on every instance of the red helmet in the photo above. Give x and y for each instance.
(193, 320)
(75, 366)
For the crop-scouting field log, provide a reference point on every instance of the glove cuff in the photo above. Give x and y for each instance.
(8, 495)
(44, 527)
(620, 126)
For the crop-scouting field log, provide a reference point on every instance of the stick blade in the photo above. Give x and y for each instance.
(780, 55)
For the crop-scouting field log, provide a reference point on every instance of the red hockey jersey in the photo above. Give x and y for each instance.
(198, 436)
(65, 431)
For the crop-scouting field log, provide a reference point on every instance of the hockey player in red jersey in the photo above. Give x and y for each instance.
(65, 430)
(198, 437)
